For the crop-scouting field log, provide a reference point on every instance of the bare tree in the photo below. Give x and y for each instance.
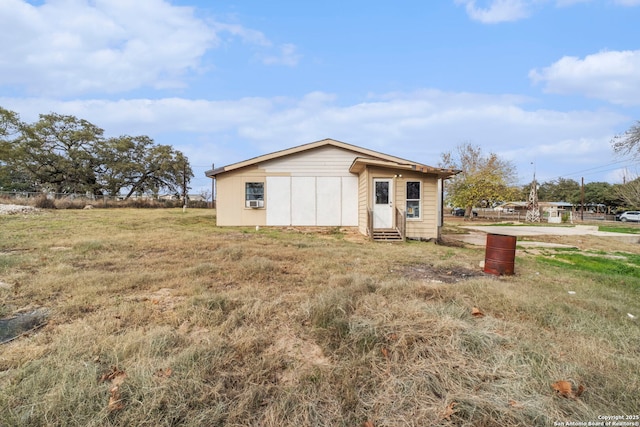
(628, 144)
(629, 193)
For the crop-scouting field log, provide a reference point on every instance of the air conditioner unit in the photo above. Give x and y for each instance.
(255, 204)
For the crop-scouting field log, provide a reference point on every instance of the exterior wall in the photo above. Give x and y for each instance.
(318, 189)
(363, 201)
(323, 161)
(230, 204)
(312, 188)
(426, 227)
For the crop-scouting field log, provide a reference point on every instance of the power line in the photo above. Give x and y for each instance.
(598, 169)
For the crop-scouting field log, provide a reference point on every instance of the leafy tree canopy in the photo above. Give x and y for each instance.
(484, 179)
(560, 190)
(65, 154)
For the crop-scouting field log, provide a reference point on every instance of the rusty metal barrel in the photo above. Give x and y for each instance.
(500, 254)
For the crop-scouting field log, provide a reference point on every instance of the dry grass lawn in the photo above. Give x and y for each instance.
(159, 318)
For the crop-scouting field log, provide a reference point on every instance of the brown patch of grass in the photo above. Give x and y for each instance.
(283, 327)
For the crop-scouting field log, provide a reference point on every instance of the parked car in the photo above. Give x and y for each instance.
(461, 211)
(629, 216)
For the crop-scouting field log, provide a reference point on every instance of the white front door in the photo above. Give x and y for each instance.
(382, 203)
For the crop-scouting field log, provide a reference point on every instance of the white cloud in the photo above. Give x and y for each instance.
(71, 47)
(418, 125)
(497, 10)
(287, 55)
(622, 175)
(76, 46)
(612, 76)
(247, 35)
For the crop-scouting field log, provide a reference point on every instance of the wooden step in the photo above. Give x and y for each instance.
(387, 235)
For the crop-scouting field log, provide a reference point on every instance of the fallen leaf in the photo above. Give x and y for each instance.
(367, 424)
(119, 380)
(385, 352)
(475, 312)
(113, 374)
(117, 377)
(115, 399)
(449, 411)
(565, 389)
(163, 373)
(514, 404)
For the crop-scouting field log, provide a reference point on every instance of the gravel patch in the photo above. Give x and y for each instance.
(16, 209)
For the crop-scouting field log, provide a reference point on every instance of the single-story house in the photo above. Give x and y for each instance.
(331, 183)
(512, 207)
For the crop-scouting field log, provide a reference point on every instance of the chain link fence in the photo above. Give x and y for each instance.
(80, 201)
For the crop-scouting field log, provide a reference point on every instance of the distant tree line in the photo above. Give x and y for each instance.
(67, 155)
(486, 180)
(570, 191)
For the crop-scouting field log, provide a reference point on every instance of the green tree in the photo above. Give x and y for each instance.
(484, 180)
(58, 153)
(11, 179)
(135, 165)
(600, 193)
(560, 190)
(65, 154)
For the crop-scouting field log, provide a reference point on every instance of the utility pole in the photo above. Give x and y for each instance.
(184, 186)
(582, 200)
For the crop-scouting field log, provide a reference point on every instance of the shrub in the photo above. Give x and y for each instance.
(43, 202)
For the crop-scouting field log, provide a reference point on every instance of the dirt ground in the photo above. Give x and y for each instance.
(427, 273)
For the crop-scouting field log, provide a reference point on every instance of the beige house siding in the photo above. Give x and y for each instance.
(325, 161)
(231, 210)
(326, 183)
(427, 226)
(363, 201)
(324, 167)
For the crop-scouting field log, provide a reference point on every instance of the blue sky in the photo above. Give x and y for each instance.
(539, 82)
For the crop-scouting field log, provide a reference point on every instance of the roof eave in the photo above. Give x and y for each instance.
(213, 172)
(360, 163)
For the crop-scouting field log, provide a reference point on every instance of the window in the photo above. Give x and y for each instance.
(254, 194)
(413, 199)
(382, 192)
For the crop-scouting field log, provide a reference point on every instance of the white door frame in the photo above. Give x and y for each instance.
(382, 203)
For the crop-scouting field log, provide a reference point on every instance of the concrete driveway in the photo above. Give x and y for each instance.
(478, 233)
